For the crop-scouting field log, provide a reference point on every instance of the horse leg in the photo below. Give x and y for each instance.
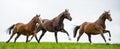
(27, 38)
(80, 34)
(66, 33)
(10, 37)
(109, 34)
(56, 37)
(36, 37)
(31, 38)
(16, 37)
(104, 38)
(43, 32)
(89, 37)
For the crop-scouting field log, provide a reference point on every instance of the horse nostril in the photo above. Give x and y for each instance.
(110, 19)
(70, 19)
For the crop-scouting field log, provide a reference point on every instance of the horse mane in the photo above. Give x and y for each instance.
(101, 20)
(54, 19)
(31, 21)
(33, 18)
(60, 14)
(101, 16)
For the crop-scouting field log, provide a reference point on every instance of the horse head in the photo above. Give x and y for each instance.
(107, 15)
(67, 14)
(37, 19)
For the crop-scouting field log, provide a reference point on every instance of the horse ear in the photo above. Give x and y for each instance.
(39, 15)
(66, 10)
(36, 14)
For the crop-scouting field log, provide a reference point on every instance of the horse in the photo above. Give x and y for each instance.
(55, 25)
(25, 29)
(94, 28)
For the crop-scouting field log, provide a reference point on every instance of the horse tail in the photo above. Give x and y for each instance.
(75, 31)
(10, 28)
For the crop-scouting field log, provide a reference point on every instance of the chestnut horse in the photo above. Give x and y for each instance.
(55, 25)
(25, 29)
(97, 27)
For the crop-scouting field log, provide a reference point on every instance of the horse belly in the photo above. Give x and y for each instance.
(48, 26)
(90, 29)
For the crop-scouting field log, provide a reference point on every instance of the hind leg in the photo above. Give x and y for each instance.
(10, 37)
(80, 34)
(18, 35)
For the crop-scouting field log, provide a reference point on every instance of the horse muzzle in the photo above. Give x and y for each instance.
(70, 19)
(110, 19)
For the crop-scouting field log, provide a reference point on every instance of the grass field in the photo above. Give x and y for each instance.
(52, 45)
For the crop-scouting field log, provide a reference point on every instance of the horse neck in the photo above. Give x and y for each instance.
(59, 19)
(31, 23)
(101, 21)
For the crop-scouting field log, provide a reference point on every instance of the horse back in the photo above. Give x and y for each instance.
(47, 25)
(22, 28)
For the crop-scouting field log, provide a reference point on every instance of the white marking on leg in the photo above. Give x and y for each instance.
(69, 38)
(109, 39)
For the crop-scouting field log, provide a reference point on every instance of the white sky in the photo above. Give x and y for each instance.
(14, 11)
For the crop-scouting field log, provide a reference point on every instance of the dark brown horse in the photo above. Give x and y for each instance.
(25, 29)
(97, 27)
(55, 25)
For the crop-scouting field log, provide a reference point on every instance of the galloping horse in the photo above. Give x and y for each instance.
(97, 27)
(25, 29)
(55, 25)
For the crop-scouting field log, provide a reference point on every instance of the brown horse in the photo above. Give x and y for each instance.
(25, 29)
(55, 25)
(97, 27)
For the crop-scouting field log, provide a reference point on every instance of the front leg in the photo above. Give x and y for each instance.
(104, 39)
(27, 38)
(35, 34)
(64, 31)
(105, 31)
(56, 37)
(31, 38)
(43, 32)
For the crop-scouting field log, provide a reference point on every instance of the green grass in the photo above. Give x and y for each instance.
(52, 45)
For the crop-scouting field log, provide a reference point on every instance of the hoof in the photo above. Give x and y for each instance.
(69, 38)
(7, 41)
(108, 43)
(28, 40)
(91, 43)
(109, 39)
